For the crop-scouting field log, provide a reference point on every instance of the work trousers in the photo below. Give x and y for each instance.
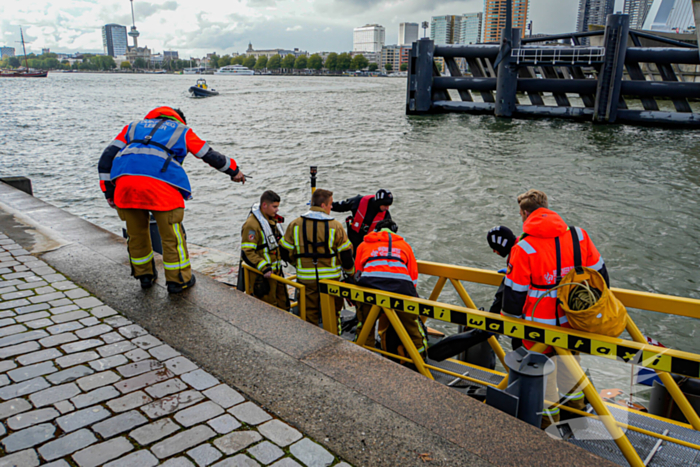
(176, 259)
(561, 385)
(410, 323)
(277, 296)
(313, 304)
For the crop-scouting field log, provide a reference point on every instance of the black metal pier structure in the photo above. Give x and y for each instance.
(616, 82)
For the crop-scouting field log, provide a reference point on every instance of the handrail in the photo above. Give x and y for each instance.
(247, 269)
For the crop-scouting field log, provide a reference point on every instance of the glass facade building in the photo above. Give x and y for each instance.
(114, 39)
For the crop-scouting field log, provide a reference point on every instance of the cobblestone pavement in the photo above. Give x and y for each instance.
(80, 385)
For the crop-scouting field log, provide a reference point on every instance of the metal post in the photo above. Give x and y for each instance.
(419, 95)
(696, 14)
(612, 70)
(507, 78)
(528, 372)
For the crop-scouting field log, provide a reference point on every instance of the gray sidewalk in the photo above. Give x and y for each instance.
(82, 385)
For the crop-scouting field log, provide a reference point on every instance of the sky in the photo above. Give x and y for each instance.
(196, 27)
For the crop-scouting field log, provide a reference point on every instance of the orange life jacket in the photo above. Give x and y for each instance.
(359, 218)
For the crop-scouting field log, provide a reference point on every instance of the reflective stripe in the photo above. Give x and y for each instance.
(388, 275)
(132, 131)
(262, 264)
(286, 244)
(579, 231)
(311, 277)
(296, 239)
(542, 293)
(143, 260)
(147, 151)
(551, 322)
(331, 240)
(599, 265)
(226, 166)
(176, 266)
(202, 152)
(251, 246)
(345, 246)
(575, 396)
(179, 130)
(396, 264)
(527, 248)
(554, 411)
(105, 177)
(184, 261)
(118, 143)
(515, 286)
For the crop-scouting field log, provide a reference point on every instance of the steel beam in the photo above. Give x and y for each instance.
(662, 55)
(419, 95)
(507, 76)
(467, 51)
(610, 76)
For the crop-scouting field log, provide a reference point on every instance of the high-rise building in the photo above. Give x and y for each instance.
(7, 52)
(368, 38)
(670, 16)
(593, 12)
(445, 29)
(45, 51)
(470, 28)
(637, 9)
(408, 33)
(495, 17)
(114, 39)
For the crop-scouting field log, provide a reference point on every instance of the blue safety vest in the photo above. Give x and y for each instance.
(155, 148)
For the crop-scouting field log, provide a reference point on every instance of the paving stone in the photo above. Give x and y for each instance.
(199, 379)
(155, 431)
(103, 452)
(64, 407)
(61, 328)
(15, 406)
(46, 297)
(311, 454)
(7, 365)
(40, 356)
(93, 331)
(23, 388)
(279, 433)
(19, 349)
(29, 437)
(81, 345)
(119, 424)
(240, 460)
(10, 330)
(4, 380)
(224, 424)
(236, 441)
(71, 374)
(102, 312)
(116, 348)
(17, 275)
(137, 459)
(266, 452)
(109, 362)
(58, 339)
(170, 404)
(20, 294)
(27, 419)
(58, 463)
(132, 331)
(178, 462)
(45, 290)
(141, 381)
(63, 309)
(5, 290)
(198, 413)
(44, 271)
(88, 302)
(137, 355)
(117, 321)
(54, 278)
(146, 342)
(71, 316)
(26, 458)
(81, 418)
(249, 413)
(53, 395)
(12, 282)
(180, 365)
(39, 323)
(32, 285)
(20, 338)
(95, 397)
(112, 337)
(32, 371)
(165, 388)
(14, 303)
(204, 455)
(61, 302)
(6, 321)
(7, 314)
(65, 285)
(76, 358)
(67, 444)
(76, 293)
(182, 441)
(32, 317)
(90, 321)
(289, 462)
(98, 380)
(134, 369)
(128, 402)
(224, 395)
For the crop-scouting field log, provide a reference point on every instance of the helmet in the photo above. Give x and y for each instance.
(384, 197)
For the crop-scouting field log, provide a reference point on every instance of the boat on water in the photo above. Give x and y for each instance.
(201, 89)
(235, 70)
(27, 72)
(198, 70)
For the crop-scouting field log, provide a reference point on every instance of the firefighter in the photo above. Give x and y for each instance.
(386, 262)
(261, 234)
(367, 212)
(319, 248)
(141, 174)
(537, 263)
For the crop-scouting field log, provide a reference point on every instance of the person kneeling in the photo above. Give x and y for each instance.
(386, 262)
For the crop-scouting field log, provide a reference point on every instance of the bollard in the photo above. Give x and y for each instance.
(524, 396)
(21, 183)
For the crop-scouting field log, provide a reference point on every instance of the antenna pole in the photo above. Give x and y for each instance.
(133, 21)
(26, 61)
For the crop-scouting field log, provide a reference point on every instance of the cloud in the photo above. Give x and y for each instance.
(294, 28)
(328, 29)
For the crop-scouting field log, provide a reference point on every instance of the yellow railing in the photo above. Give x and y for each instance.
(288, 281)
(564, 341)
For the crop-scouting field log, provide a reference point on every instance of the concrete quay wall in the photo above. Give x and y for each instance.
(366, 409)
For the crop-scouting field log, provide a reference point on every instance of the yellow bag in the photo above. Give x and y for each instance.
(607, 316)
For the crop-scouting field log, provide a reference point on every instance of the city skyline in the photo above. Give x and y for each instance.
(194, 30)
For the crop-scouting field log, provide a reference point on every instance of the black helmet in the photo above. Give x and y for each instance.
(384, 197)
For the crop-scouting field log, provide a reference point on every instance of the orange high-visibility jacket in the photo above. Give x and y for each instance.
(386, 262)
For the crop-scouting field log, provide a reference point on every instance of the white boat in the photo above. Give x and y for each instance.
(234, 70)
(198, 70)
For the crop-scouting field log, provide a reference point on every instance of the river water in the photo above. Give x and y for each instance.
(635, 190)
